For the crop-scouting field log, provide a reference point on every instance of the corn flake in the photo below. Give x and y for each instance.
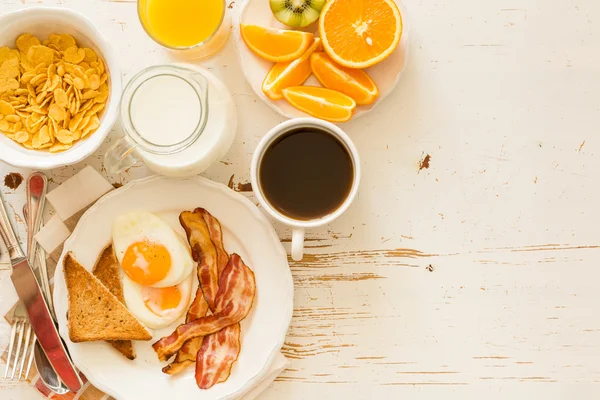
(8, 84)
(61, 98)
(90, 55)
(6, 108)
(65, 41)
(51, 92)
(8, 54)
(21, 136)
(9, 69)
(74, 55)
(40, 55)
(56, 112)
(25, 41)
(59, 147)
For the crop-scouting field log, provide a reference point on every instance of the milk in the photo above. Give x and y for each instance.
(214, 141)
(165, 110)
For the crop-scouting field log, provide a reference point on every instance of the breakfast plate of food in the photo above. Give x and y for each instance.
(334, 60)
(174, 288)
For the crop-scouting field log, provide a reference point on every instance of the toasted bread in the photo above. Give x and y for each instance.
(94, 312)
(107, 272)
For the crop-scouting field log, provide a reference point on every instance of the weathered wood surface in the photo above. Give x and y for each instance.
(468, 264)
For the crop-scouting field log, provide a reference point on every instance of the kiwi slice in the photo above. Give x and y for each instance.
(297, 13)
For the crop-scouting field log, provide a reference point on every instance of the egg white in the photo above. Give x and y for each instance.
(135, 303)
(139, 226)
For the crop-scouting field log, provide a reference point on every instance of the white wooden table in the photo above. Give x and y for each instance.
(476, 275)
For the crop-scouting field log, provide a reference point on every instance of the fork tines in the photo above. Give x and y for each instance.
(22, 341)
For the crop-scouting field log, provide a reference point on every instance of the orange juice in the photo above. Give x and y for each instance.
(181, 23)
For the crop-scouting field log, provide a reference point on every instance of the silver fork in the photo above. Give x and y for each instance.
(22, 341)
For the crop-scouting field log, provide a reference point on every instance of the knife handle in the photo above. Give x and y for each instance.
(8, 235)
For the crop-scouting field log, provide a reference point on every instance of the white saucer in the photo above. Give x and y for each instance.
(257, 12)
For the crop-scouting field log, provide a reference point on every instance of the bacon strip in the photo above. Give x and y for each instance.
(187, 355)
(216, 356)
(216, 235)
(219, 351)
(204, 252)
(237, 288)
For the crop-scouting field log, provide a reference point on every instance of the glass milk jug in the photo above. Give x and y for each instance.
(177, 119)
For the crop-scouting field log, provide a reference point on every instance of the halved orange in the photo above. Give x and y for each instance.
(360, 33)
(294, 73)
(321, 102)
(277, 45)
(353, 82)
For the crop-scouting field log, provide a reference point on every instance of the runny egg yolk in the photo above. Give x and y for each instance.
(146, 262)
(159, 300)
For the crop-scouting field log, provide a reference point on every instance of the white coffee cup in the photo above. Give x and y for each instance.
(300, 226)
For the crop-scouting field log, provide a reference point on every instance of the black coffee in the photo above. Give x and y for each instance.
(306, 174)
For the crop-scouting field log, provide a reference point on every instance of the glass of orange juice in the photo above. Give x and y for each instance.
(192, 28)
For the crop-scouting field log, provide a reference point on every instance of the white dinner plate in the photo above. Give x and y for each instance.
(258, 12)
(246, 232)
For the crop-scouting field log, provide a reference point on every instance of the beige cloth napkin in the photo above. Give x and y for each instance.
(70, 200)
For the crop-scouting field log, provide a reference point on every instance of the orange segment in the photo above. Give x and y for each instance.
(360, 33)
(321, 103)
(277, 45)
(353, 82)
(294, 73)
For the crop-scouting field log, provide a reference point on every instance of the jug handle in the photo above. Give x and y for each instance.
(203, 84)
(120, 156)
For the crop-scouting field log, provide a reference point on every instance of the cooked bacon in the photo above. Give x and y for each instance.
(204, 252)
(216, 356)
(216, 235)
(220, 350)
(198, 308)
(237, 288)
(187, 355)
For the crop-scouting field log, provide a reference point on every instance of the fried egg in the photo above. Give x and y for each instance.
(157, 307)
(149, 251)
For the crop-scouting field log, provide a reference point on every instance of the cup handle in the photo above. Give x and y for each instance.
(297, 244)
(120, 156)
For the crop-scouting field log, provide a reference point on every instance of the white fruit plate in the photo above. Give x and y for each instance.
(257, 12)
(246, 231)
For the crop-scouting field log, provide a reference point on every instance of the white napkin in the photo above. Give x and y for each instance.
(70, 200)
(74, 195)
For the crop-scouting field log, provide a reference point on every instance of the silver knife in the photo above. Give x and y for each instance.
(32, 298)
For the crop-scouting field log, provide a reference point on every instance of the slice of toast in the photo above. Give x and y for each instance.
(107, 272)
(94, 312)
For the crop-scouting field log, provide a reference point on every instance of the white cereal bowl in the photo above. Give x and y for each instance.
(41, 22)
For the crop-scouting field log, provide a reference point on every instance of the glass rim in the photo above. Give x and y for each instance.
(125, 110)
(197, 45)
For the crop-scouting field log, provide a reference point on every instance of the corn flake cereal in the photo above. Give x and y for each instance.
(25, 41)
(52, 92)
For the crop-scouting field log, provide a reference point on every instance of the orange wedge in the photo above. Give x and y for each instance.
(293, 73)
(360, 33)
(353, 82)
(277, 45)
(321, 103)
